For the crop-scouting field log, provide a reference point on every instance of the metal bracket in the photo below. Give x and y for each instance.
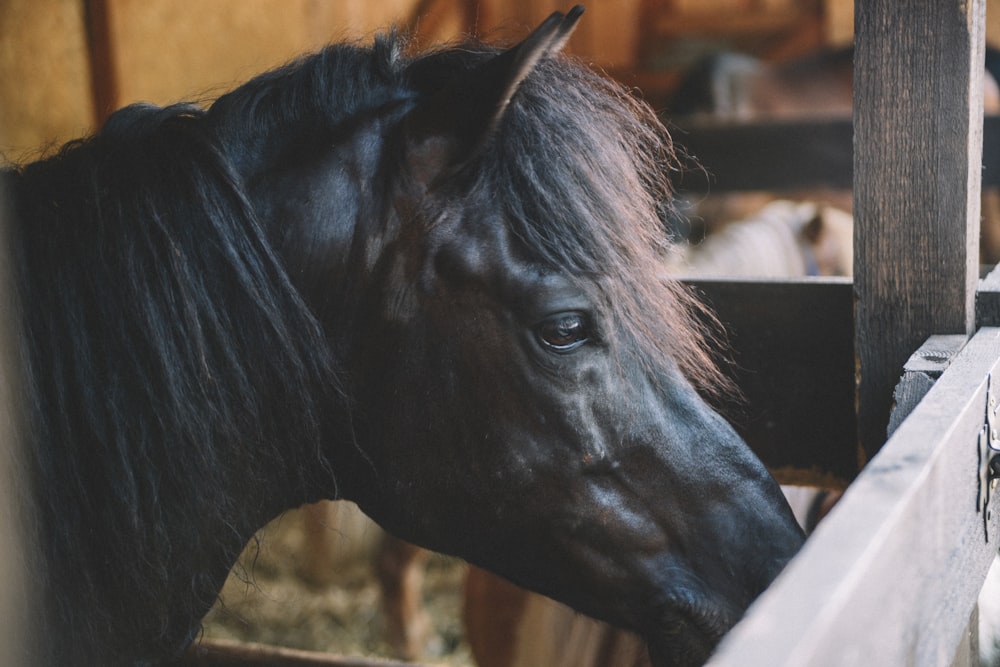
(989, 456)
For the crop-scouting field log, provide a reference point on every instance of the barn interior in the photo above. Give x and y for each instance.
(767, 131)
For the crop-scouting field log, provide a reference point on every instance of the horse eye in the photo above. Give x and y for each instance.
(564, 332)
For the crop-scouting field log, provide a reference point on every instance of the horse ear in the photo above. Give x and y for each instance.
(450, 125)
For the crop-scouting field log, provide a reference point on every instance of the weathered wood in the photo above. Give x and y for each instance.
(766, 155)
(787, 154)
(19, 612)
(917, 165)
(892, 574)
(791, 344)
(919, 373)
(101, 52)
(988, 300)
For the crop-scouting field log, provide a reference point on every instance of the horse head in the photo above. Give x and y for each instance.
(483, 249)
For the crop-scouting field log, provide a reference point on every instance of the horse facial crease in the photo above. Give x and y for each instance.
(433, 285)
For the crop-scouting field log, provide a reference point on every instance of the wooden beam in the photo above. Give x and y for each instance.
(103, 74)
(920, 371)
(786, 154)
(766, 155)
(891, 576)
(791, 343)
(20, 612)
(988, 300)
(917, 164)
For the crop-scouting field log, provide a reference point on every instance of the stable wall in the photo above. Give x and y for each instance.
(56, 84)
(44, 76)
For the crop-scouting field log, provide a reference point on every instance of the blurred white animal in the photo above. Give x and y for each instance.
(784, 239)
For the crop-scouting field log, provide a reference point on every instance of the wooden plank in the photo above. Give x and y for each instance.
(101, 51)
(892, 574)
(917, 164)
(922, 369)
(19, 608)
(786, 154)
(920, 372)
(988, 300)
(766, 155)
(991, 151)
(791, 342)
(610, 36)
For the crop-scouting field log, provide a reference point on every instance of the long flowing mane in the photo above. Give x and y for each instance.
(168, 363)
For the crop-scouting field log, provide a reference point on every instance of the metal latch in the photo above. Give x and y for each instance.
(989, 456)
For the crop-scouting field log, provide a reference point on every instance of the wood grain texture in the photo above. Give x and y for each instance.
(919, 373)
(891, 576)
(917, 164)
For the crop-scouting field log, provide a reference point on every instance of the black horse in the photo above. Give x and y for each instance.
(431, 284)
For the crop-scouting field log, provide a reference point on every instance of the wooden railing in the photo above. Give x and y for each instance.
(892, 576)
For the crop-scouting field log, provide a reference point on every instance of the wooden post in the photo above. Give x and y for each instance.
(917, 169)
(103, 76)
(19, 612)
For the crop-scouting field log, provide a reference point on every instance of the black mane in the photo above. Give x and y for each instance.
(584, 168)
(192, 373)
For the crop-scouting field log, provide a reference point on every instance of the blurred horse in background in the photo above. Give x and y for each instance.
(734, 87)
(783, 239)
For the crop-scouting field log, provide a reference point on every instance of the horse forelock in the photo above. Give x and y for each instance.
(582, 165)
(583, 168)
(171, 374)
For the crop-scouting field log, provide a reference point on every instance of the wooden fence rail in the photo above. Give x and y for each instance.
(892, 575)
(786, 154)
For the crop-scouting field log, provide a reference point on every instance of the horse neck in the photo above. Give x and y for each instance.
(163, 432)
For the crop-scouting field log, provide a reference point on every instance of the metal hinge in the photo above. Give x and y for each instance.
(989, 456)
